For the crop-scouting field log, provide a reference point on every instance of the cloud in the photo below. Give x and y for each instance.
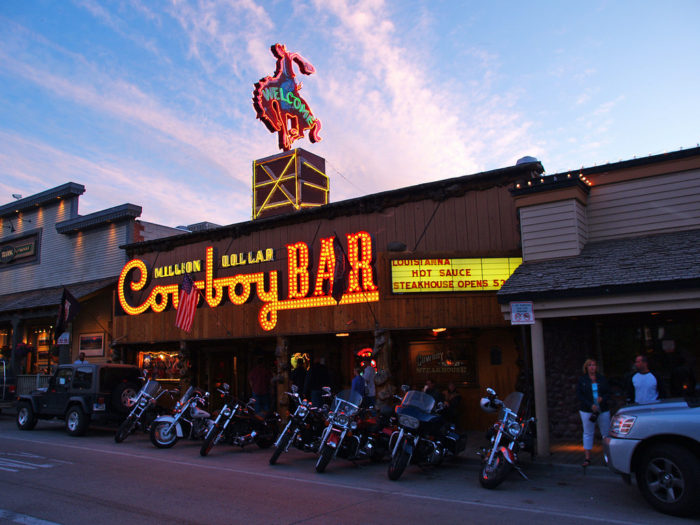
(112, 181)
(407, 125)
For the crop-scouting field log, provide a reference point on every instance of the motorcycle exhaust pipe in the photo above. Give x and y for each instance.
(248, 438)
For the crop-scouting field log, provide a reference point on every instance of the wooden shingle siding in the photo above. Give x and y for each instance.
(556, 229)
(645, 206)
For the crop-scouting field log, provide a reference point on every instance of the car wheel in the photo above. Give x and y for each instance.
(121, 396)
(26, 419)
(667, 476)
(76, 421)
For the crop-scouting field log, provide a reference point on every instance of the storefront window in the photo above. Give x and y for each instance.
(5, 343)
(162, 365)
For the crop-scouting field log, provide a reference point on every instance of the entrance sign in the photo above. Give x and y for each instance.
(278, 104)
(522, 313)
(451, 275)
(304, 289)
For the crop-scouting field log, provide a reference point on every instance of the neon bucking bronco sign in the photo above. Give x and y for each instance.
(278, 104)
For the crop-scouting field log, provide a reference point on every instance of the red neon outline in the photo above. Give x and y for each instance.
(270, 112)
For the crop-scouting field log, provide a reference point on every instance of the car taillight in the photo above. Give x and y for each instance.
(621, 425)
(13, 389)
(100, 400)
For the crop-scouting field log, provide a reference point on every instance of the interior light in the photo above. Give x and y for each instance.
(342, 334)
(438, 330)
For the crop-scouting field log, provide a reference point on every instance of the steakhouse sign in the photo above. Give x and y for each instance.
(278, 104)
(304, 290)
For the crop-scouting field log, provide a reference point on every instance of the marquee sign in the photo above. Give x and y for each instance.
(451, 275)
(278, 104)
(337, 281)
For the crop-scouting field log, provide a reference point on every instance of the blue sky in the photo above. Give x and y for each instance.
(150, 102)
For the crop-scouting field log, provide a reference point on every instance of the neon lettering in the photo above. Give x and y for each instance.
(278, 104)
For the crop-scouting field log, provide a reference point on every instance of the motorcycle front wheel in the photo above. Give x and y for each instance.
(124, 430)
(209, 441)
(492, 476)
(160, 437)
(398, 463)
(284, 441)
(324, 458)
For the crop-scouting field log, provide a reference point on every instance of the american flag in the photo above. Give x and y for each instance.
(187, 304)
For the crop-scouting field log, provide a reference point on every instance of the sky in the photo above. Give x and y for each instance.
(150, 102)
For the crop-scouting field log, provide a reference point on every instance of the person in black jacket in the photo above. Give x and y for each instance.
(594, 397)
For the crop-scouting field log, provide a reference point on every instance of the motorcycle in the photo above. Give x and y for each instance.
(340, 424)
(145, 410)
(166, 430)
(237, 424)
(510, 434)
(304, 428)
(423, 435)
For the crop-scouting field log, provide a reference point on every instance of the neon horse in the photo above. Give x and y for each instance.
(278, 104)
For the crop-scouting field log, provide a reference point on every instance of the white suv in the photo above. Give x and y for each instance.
(660, 443)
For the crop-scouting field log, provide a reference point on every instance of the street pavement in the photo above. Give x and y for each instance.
(48, 477)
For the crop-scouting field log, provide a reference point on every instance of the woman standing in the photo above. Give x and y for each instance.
(594, 397)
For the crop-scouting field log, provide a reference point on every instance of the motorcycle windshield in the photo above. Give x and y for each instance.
(513, 401)
(419, 400)
(151, 387)
(347, 401)
(187, 395)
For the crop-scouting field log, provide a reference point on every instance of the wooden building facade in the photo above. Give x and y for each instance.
(273, 287)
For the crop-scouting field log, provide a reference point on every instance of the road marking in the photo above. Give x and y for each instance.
(15, 465)
(181, 463)
(23, 518)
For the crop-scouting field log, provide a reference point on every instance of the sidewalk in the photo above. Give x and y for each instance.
(563, 455)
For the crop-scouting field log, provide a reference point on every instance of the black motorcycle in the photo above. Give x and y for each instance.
(304, 428)
(338, 438)
(511, 434)
(237, 424)
(423, 435)
(189, 419)
(145, 409)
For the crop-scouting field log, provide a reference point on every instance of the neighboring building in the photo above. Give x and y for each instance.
(424, 265)
(45, 245)
(611, 262)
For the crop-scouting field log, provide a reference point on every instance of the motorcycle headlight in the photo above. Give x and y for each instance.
(226, 412)
(302, 411)
(513, 428)
(408, 421)
(621, 425)
(342, 420)
(143, 402)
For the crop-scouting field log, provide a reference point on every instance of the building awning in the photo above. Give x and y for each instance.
(49, 297)
(658, 263)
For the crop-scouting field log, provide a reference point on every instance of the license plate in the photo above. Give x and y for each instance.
(98, 407)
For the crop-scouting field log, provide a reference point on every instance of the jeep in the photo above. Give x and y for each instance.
(80, 394)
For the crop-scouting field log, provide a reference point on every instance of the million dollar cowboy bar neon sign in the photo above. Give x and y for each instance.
(357, 281)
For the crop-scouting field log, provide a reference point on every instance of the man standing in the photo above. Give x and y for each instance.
(317, 377)
(358, 384)
(81, 359)
(260, 378)
(644, 386)
(370, 388)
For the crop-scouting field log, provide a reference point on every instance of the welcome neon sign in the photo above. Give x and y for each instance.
(278, 104)
(304, 290)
